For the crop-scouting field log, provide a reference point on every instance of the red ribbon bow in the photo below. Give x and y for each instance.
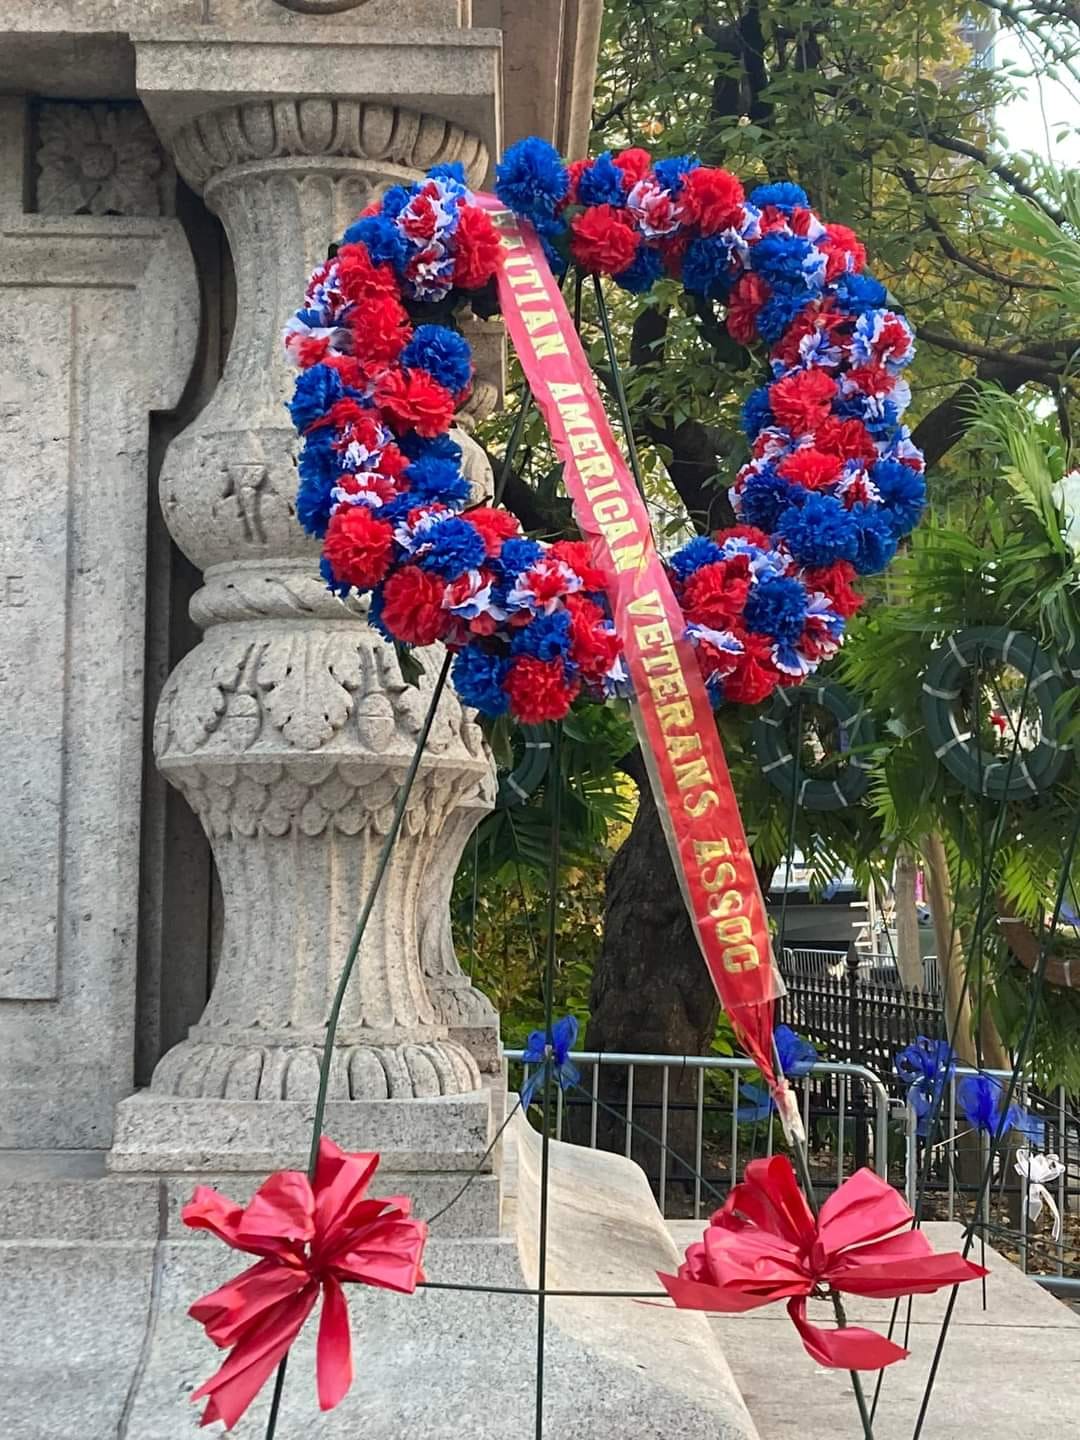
(311, 1236)
(764, 1244)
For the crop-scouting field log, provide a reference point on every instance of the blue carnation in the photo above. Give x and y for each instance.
(443, 353)
(340, 588)
(642, 273)
(858, 293)
(757, 412)
(669, 173)
(549, 232)
(374, 615)
(313, 394)
(313, 506)
(518, 554)
(875, 538)
(450, 170)
(779, 258)
(781, 308)
(778, 608)
(691, 556)
(432, 478)
(320, 463)
(707, 268)
(394, 201)
(441, 447)
(783, 195)
(765, 496)
(601, 183)
(819, 531)
(380, 236)
(546, 636)
(531, 178)
(478, 679)
(902, 491)
(456, 546)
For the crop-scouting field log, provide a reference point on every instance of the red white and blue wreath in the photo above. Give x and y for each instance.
(833, 483)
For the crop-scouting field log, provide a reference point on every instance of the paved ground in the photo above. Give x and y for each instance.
(1008, 1372)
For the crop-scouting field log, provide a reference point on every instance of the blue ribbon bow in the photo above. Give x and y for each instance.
(540, 1053)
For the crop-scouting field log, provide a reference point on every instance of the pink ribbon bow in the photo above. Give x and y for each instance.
(311, 1236)
(764, 1244)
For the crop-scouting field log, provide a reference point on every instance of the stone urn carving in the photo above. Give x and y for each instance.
(290, 727)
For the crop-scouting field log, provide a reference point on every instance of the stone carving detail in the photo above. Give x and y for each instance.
(100, 160)
(320, 7)
(289, 729)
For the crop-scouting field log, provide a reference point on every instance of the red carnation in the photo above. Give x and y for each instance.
(817, 316)
(412, 607)
(672, 249)
(578, 555)
(538, 690)
(872, 380)
(494, 525)
(357, 546)
(713, 199)
(359, 278)
(748, 295)
(834, 581)
(476, 243)
(349, 368)
(594, 647)
(412, 400)
(716, 593)
(574, 172)
(772, 218)
(603, 240)
(811, 468)
(380, 329)
(343, 413)
(801, 402)
(849, 439)
(635, 165)
(308, 350)
(744, 532)
(755, 676)
(843, 249)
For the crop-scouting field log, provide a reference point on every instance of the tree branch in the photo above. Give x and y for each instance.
(996, 167)
(1042, 358)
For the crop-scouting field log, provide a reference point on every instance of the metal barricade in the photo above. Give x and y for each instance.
(593, 1064)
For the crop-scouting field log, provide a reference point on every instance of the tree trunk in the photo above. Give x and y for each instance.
(908, 958)
(650, 993)
(951, 964)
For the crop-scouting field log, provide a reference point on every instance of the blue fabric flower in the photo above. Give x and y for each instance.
(375, 620)
(691, 556)
(320, 463)
(875, 538)
(856, 293)
(393, 202)
(780, 309)
(314, 503)
(779, 258)
(517, 555)
(981, 1097)
(902, 491)
(440, 448)
(766, 496)
(778, 608)
(449, 170)
(707, 268)
(783, 195)
(925, 1067)
(340, 588)
(547, 637)
(478, 678)
(757, 412)
(797, 1058)
(315, 391)
(601, 183)
(434, 479)
(443, 353)
(643, 273)
(539, 1053)
(531, 178)
(381, 237)
(819, 531)
(669, 173)
(456, 546)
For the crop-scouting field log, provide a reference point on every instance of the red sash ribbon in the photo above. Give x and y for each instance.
(672, 714)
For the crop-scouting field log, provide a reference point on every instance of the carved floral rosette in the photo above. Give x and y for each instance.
(289, 729)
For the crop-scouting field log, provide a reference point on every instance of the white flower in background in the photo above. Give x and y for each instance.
(1040, 1171)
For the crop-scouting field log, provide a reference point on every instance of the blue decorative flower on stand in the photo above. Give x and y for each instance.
(538, 1052)
(980, 1098)
(797, 1058)
(925, 1067)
